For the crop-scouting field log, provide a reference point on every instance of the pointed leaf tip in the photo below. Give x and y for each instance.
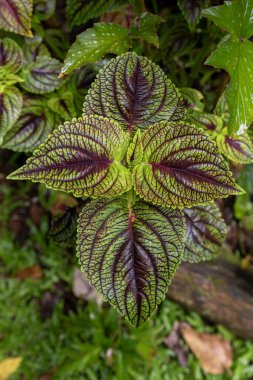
(182, 167)
(72, 160)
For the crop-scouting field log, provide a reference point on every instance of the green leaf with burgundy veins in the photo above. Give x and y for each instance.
(135, 92)
(135, 151)
(79, 158)
(192, 98)
(130, 254)
(94, 43)
(10, 108)
(205, 233)
(15, 16)
(182, 167)
(41, 76)
(11, 56)
(235, 148)
(210, 122)
(34, 50)
(32, 128)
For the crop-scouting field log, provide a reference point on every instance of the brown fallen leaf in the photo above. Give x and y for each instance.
(35, 272)
(213, 352)
(174, 342)
(82, 289)
(8, 367)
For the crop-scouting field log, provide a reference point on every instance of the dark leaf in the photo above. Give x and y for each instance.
(63, 227)
(205, 233)
(81, 11)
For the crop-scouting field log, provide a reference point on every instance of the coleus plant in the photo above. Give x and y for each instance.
(152, 178)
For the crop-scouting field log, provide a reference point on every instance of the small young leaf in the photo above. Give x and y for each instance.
(191, 10)
(79, 158)
(233, 16)
(81, 11)
(236, 148)
(236, 57)
(94, 43)
(135, 151)
(130, 254)
(63, 228)
(137, 93)
(147, 28)
(32, 128)
(62, 103)
(192, 98)
(10, 107)
(41, 76)
(15, 16)
(182, 167)
(205, 233)
(11, 56)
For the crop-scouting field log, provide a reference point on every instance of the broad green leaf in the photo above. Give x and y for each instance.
(10, 107)
(205, 233)
(32, 128)
(236, 57)
(233, 16)
(182, 167)
(81, 11)
(15, 16)
(41, 76)
(135, 92)
(130, 253)
(146, 29)
(79, 158)
(94, 43)
(191, 10)
(205, 121)
(192, 98)
(236, 148)
(11, 56)
(63, 228)
(135, 151)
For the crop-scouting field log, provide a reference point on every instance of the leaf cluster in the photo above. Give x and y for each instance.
(133, 150)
